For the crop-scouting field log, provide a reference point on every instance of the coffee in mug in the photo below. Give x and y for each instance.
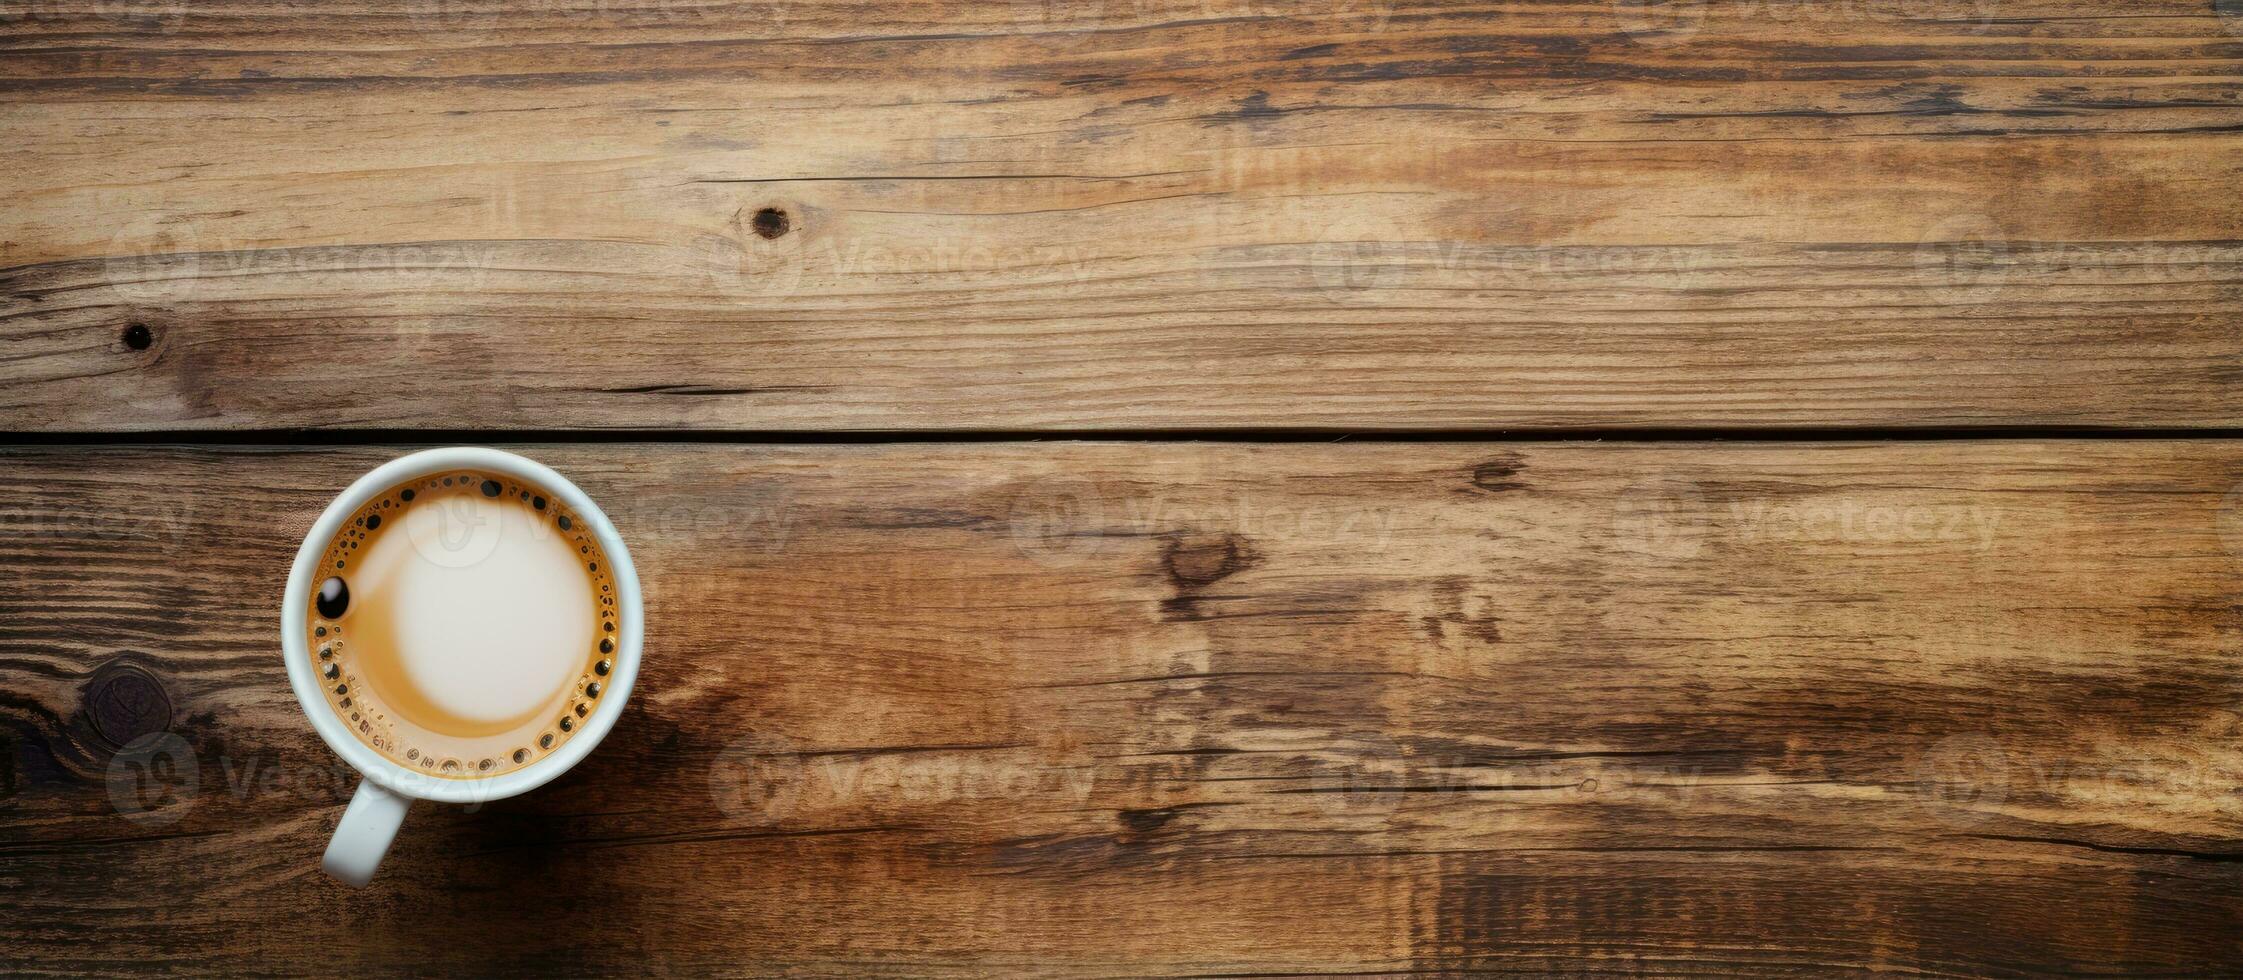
(464, 623)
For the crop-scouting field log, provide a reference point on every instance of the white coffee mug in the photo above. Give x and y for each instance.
(378, 808)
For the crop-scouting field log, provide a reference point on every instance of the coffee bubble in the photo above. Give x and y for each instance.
(334, 597)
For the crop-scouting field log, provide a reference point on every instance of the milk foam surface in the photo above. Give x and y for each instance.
(489, 611)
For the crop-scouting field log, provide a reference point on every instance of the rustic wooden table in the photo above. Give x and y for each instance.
(1158, 487)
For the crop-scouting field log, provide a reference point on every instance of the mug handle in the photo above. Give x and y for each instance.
(363, 836)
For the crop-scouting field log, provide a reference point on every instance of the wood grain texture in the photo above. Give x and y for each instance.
(1079, 708)
(1075, 214)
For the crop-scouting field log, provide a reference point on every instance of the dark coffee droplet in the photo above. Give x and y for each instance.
(545, 741)
(593, 567)
(538, 502)
(565, 525)
(326, 653)
(609, 626)
(602, 668)
(373, 521)
(319, 631)
(491, 488)
(582, 709)
(568, 725)
(412, 754)
(334, 597)
(607, 645)
(592, 690)
(406, 495)
(342, 689)
(331, 671)
(485, 765)
(521, 756)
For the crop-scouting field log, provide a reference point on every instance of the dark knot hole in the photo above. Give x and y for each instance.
(138, 336)
(771, 223)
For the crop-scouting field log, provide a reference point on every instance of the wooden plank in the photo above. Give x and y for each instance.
(1082, 708)
(1160, 214)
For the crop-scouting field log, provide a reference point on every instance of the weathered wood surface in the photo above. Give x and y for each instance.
(1948, 708)
(1052, 214)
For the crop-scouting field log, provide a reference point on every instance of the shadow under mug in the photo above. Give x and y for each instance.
(378, 808)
